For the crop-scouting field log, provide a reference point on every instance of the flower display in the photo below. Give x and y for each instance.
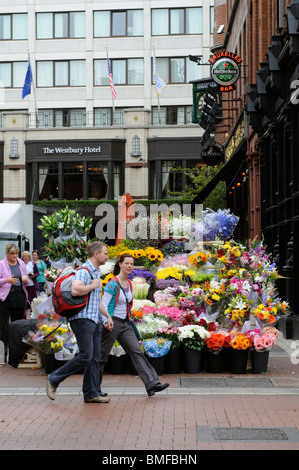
(140, 288)
(148, 256)
(52, 274)
(65, 221)
(156, 347)
(271, 311)
(51, 334)
(192, 336)
(238, 310)
(240, 342)
(173, 247)
(217, 341)
(214, 295)
(147, 275)
(199, 258)
(117, 350)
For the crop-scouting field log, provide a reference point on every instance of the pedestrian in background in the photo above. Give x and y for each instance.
(32, 272)
(87, 328)
(117, 299)
(13, 293)
(41, 269)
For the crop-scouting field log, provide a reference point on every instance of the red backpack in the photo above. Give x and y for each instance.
(65, 304)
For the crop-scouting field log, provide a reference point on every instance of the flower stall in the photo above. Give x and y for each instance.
(216, 304)
(204, 302)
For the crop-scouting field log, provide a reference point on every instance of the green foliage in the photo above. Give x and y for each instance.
(199, 176)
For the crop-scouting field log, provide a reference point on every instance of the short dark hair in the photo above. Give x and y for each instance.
(93, 247)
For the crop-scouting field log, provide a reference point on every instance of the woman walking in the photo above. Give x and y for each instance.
(118, 301)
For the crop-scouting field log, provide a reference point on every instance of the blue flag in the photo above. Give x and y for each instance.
(27, 83)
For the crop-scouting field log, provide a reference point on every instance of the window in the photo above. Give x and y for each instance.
(124, 72)
(136, 146)
(14, 26)
(106, 117)
(62, 118)
(212, 20)
(60, 25)
(118, 23)
(14, 148)
(61, 73)
(48, 180)
(97, 180)
(176, 21)
(177, 69)
(171, 115)
(12, 74)
(72, 180)
(172, 181)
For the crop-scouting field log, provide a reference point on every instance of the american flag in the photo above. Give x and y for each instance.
(112, 88)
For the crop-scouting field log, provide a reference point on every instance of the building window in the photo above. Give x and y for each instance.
(60, 25)
(171, 115)
(177, 69)
(72, 180)
(48, 181)
(60, 73)
(124, 71)
(171, 180)
(167, 177)
(62, 118)
(212, 20)
(118, 23)
(14, 26)
(107, 117)
(175, 21)
(14, 146)
(136, 146)
(12, 74)
(97, 180)
(84, 179)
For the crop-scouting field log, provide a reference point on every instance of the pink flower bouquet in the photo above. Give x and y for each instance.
(264, 341)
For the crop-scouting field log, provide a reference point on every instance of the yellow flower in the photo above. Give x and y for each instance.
(215, 297)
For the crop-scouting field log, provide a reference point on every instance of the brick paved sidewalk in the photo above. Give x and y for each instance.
(201, 411)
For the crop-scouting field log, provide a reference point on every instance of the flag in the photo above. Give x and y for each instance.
(112, 88)
(160, 84)
(28, 80)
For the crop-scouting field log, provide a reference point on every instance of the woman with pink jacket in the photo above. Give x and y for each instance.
(13, 293)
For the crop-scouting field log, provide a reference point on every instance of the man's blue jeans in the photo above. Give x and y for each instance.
(88, 335)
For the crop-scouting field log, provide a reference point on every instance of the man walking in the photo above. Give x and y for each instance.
(87, 329)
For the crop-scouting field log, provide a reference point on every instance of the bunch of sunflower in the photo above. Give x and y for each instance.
(199, 258)
(148, 256)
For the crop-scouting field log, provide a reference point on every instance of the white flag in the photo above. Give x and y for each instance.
(160, 84)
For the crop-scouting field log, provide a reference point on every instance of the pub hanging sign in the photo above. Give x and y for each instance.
(225, 70)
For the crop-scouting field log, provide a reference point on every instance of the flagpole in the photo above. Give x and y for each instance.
(34, 95)
(113, 106)
(159, 112)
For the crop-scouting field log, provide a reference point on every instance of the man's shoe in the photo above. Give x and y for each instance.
(50, 390)
(98, 399)
(103, 394)
(157, 388)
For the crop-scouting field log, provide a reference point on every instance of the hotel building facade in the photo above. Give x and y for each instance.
(69, 139)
